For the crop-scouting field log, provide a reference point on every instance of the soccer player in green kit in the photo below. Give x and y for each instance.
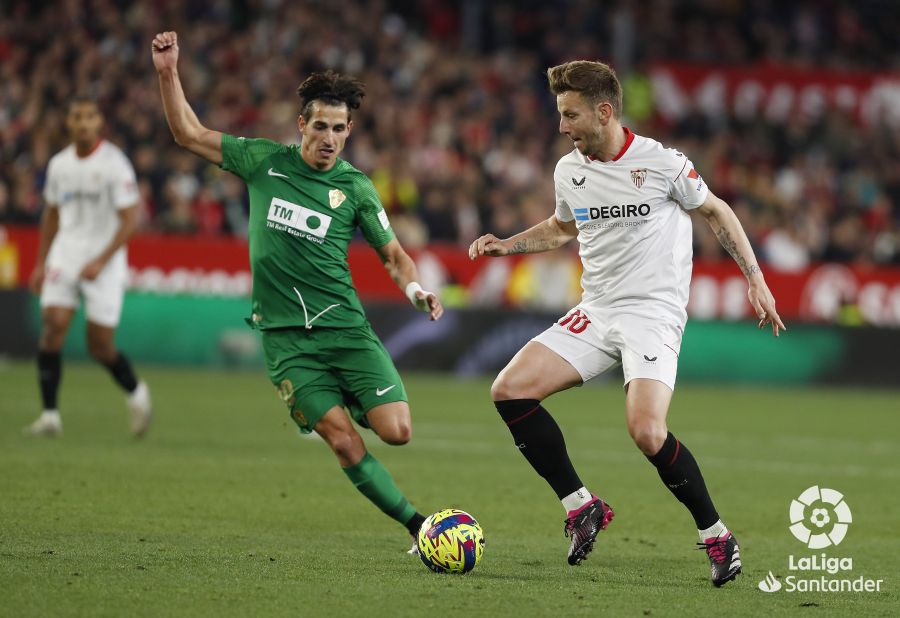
(305, 204)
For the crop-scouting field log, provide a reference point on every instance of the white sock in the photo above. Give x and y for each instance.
(51, 414)
(139, 394)
(715, 530)
(577, 499)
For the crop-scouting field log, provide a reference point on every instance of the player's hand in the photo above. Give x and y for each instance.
(92, 269)
(428, 301)
(165, 51)
(764, 305)
(487, 245)
(36, 281)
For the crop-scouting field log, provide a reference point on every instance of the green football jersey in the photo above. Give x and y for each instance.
(301, 223)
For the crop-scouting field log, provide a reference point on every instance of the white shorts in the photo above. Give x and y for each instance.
(595, 342)
(102, 296)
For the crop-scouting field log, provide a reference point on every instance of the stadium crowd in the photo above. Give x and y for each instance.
(458, 131)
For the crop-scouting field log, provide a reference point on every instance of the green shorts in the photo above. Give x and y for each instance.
(316, 370)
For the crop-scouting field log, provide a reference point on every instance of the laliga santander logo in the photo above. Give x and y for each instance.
(820, 517)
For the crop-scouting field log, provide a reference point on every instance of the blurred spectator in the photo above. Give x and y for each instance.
(459, 133)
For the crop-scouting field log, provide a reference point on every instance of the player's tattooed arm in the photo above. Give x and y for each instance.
(520, 246)
(545, 236)
(727, 228)
(534, 245)
(731, 247)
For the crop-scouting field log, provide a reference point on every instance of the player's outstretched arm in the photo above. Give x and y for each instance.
(730, 232)
(403, 271)
(183, 122)
(545, 236)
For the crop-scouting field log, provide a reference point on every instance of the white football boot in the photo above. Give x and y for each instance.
(48, 424)
(140, 408)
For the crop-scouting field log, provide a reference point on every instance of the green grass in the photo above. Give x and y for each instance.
(223, 510)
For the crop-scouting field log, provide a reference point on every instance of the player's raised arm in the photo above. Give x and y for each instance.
(545, 236)
(183, 122)
(730, 232)
(403, 271)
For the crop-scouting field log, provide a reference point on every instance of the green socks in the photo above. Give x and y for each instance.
(375, 483)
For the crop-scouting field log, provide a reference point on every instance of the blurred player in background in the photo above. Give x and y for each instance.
(626, 198)
(91, 211)
(305, 205)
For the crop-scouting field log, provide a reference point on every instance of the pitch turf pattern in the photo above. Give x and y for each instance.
(224, 510)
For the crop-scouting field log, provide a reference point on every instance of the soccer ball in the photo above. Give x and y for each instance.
(450, 541)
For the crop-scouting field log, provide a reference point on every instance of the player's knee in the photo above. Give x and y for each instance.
(648, 435)
(400, 433)
(506, 386)
(51, 341)
(53, 335)
(348, 446)
(101, 350)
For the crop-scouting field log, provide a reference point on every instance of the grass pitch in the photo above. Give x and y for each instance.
(223, 510)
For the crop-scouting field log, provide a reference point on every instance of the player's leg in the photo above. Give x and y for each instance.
(366, 473)
(103, 307)
(375, 395)
(556, 360)
(301, 368)
(646, 405)
(650, 363)
(533, 374)
(55, 321)
(392, 422)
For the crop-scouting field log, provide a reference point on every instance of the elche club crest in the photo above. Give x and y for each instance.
(638, 177)
(336, 197)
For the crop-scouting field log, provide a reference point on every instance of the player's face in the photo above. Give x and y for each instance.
(84, 122)
(324, 134)
(580, 121)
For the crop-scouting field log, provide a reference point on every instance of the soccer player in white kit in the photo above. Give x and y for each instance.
(91, 211)
(627, 200)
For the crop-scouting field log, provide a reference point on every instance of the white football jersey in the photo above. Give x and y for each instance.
(633, 228)
(88, 191)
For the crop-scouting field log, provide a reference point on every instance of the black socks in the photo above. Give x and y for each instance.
(49, 375)
(414, 523)
(541, 442)
(122, 373)
(679, 471)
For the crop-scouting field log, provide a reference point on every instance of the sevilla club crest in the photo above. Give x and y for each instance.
(638, 177)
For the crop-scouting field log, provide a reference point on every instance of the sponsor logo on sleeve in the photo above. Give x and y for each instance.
(382, 216)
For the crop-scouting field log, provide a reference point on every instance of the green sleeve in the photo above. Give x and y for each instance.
(241, 156)
(373, 220)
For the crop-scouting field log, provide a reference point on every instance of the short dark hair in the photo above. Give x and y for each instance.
(595, 81)
(82, 98)
(332, 89)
